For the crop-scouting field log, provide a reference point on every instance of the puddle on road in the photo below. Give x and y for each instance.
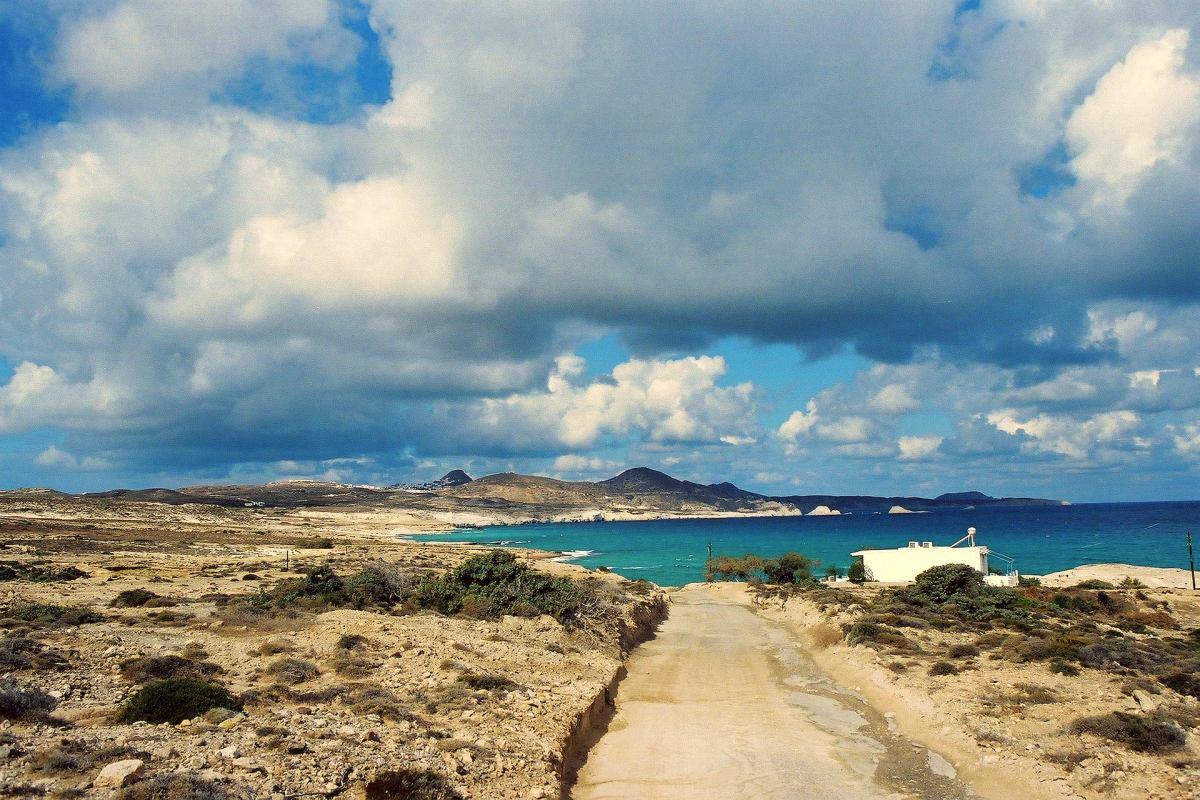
(871, 744)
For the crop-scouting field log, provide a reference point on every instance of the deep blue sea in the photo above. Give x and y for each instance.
(1040, 539)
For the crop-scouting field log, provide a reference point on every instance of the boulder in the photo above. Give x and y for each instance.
(119, 773)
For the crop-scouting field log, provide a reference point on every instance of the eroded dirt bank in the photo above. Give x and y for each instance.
(722, 704)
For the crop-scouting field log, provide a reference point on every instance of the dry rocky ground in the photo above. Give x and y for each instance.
(1046, 692)
(325, 683)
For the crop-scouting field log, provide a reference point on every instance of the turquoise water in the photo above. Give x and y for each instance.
(1040, 538)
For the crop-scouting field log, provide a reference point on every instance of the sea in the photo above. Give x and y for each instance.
(1038, 539)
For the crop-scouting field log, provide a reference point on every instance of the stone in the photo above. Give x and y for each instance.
(229, 752)
(119, 773)
(1144, 699)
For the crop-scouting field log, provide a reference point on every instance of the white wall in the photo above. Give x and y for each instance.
(905, 563)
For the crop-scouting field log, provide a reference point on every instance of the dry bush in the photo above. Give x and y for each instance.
(175, 786)
(17, 702)
(290, 671)
(366, 700)
(942, 668)
(410, 784)
(152, 668)
(19, 652)
(487, 682)
(273, 647)
(349, 665)
(76, 756)
(962, 651)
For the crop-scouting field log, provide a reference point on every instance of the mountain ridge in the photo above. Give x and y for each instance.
(639, 492)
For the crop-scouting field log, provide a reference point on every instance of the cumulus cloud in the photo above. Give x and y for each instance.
(663, 401)
(54, 458)
(917, 448)
(1138, 115)
(197, 272)
(149, 47)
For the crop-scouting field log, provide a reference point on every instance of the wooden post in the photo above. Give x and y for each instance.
(1191, 561)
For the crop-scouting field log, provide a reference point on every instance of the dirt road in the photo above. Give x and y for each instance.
(722, 704)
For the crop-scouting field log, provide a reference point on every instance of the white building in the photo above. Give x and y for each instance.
(905, 563)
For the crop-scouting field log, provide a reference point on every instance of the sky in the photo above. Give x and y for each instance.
(807, 247)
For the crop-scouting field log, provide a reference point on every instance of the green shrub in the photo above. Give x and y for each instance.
(1061, 667)
(938, 584)
(489, 683)
(1143, 734)
(152, 668)
(1130, 583)
(732, 568)
(133, 598)
(1028, 580)
(790, 568)
(314, 543)
(43, 614)
(35, 573)
(1094, 583)
(176, 699)
(410, 784)
(943, 668)
(17, 702)
(376, 586)
(495, 583)
(858, 571)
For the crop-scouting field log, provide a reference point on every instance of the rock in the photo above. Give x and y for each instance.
(119, 773)
(1144, 699)
(219, 715)
(229, 752)
(537, 793)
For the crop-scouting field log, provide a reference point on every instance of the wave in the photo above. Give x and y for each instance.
(571, 555)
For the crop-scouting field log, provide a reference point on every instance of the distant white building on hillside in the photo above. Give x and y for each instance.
(905, 563)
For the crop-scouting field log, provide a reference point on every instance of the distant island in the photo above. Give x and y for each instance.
(505, 498)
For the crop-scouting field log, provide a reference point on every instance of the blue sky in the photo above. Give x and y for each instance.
(920, 248)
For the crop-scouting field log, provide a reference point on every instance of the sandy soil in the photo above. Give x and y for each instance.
(316, 737)
(1004, 745)
(1153, 577)
(721, 704)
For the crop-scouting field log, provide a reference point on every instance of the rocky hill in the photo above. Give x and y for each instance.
(637, 493)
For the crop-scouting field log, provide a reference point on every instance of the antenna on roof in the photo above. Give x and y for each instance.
(969, 538)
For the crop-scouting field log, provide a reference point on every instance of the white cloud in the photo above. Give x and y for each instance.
(666, 401)
(846, 429)
(573, 462)
(895, 398)
(149, 46)
(1139, 115)
(918, 448)
(53, 458)
(1186, 440)
(1065, 436)
(799, 423)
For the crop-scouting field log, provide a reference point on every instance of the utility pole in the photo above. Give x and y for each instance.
(710, 550)
(1191, 561)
